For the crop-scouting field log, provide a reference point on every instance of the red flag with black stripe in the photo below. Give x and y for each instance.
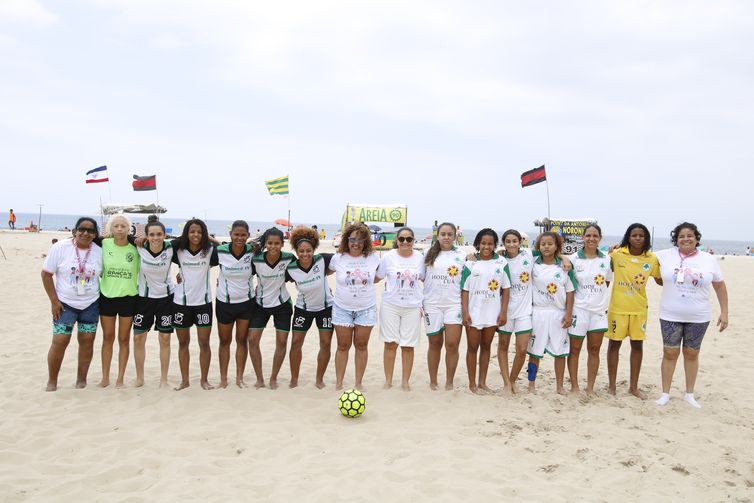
(533, 176)
(145, 182)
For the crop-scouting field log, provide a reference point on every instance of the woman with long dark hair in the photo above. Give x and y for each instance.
(442, 303)
(192, 300)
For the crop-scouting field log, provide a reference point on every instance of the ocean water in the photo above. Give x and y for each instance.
(222, 227)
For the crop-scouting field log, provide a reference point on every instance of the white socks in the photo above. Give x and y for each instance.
(689, 398)
(663, 400)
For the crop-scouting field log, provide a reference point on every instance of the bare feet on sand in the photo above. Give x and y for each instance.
(183, 385)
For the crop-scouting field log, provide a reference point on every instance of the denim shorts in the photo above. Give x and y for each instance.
(675, 332)
(86, 318)
(347, 318)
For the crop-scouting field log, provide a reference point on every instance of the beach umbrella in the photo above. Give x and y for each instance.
(375, 228)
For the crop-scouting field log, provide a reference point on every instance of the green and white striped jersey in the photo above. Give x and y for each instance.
(271, 290)
(234, 284)
(154, 276)
(314, 293)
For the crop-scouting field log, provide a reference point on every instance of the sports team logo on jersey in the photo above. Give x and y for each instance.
(247, 259)
(164, 256)
(524, 277)
(453, 271)
(129, 257)
(646, 266)
(602, 265)
(599, 280)
(525, 262)
(493, 285)
(557, 275)
(640, 280)
(552, 288)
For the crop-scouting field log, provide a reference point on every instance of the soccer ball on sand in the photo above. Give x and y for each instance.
(352, 403)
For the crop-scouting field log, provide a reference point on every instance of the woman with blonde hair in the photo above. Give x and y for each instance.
(118, 294)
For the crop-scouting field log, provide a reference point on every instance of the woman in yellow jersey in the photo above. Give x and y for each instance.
(633, 264)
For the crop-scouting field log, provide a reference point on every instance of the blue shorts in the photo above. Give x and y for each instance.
(347, 318)
(86, 318)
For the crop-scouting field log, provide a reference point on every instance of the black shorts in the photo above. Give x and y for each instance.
(117, 306)
(281, 316)
(228, 313)
(153, 311)
(302, 320)
(185, 316)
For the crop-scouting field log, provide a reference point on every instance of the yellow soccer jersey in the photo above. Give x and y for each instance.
(630, 276)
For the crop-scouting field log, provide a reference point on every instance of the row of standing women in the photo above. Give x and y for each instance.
(550, 303)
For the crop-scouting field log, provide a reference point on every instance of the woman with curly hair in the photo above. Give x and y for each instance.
(687, 274)
(313, 302)
(354, 307)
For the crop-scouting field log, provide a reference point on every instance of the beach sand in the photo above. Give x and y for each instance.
(138, 444)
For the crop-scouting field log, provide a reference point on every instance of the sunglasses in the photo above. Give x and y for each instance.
(88, 230)
(405, 239)
(356, 240)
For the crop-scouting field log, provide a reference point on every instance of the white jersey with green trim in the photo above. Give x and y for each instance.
(550, 283)
(271, 290)
(155, 281)
(234, 283)
(194, 288)
(593, 276)
(442, 280)
(520, 268)
(314, 292)
(483, 279)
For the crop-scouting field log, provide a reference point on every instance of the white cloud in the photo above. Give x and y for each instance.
(27, 12)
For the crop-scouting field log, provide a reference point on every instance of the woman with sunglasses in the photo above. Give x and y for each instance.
(400, 314)
(354, 311)
(76, 265)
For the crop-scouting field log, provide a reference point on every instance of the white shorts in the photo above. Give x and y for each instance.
(586, 321)
(436, 317)
(548, 335)
(401, 325)
(516, 326)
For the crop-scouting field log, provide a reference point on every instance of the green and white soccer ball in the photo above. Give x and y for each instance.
(352, 403)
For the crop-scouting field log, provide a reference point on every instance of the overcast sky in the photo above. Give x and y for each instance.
(641, 111)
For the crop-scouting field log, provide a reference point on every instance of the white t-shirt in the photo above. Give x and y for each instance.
(687, 302)
(194, 289)
(234, 284)
(314, 292)
(592, 274)
(354, 280)
(155, 281)
(442, 280)
(402, 276)
(520, 268)
(550, 284)
(483, 279)
(72, 276)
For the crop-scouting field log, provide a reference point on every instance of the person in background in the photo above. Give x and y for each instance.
(76, 265)
(12, 220)
(687, 275)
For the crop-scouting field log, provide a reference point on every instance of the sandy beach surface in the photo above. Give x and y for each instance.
(151, 444)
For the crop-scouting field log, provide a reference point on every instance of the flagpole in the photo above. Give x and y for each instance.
(289, 204)
(548, 198)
